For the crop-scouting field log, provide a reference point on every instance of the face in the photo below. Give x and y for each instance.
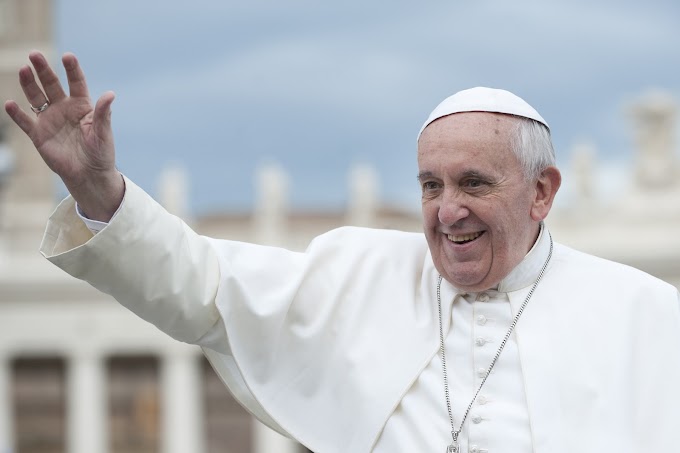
(480, 214)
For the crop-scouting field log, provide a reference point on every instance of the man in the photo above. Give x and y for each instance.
(481, 335)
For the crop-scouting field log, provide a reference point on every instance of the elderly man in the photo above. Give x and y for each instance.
(481, 335)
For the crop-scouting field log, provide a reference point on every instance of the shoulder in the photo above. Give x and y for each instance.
(592, 271)
(380, 251)
(347, 239)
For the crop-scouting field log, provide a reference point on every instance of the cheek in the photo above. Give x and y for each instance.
(430, 215)
(510, 231)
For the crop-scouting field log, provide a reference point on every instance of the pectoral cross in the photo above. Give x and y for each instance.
(454, 447)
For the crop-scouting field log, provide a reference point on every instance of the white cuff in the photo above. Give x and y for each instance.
(94, 225)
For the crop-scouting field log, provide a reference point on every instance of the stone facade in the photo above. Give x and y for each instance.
(640, 224)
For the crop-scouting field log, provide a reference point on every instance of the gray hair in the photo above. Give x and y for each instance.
(533, 147)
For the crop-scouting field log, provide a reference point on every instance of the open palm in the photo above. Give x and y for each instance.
(74, 139)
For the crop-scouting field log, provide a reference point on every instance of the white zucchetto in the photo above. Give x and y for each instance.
(482, 99)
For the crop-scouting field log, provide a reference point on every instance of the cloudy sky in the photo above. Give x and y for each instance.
(222, 87)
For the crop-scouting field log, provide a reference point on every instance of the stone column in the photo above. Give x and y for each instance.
(182, 410)
(271, 208)
(654, 118)
(86, 406)
(173, 191)
(267, 441)
(6, 425)
(363, 196)
(27, 197)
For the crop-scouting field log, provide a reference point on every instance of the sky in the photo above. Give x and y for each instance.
(222, 87)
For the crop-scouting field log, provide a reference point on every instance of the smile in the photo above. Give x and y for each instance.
(464, 238)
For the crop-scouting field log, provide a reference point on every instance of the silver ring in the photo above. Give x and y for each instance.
(41, 108)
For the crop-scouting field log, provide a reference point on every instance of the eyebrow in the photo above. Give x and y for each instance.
(424, 174)
(476, 174)
(466, 174)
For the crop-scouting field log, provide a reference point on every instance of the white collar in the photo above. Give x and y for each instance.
(526, 272)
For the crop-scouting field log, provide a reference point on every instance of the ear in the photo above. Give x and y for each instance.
(547, 185)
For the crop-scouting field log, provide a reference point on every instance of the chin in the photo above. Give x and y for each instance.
(467, 282)
(472, 288)
(471, 275)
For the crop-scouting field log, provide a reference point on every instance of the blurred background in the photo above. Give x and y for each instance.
(273, 122)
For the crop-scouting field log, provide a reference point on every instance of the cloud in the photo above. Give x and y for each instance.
(299, 73)
(333, 83)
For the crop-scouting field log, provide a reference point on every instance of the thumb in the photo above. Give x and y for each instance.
(101, 121)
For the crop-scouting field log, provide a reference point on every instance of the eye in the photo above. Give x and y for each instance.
(429, 186)
(473, 183)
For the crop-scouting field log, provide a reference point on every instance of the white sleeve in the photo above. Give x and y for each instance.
(156, 266)
(147, 259)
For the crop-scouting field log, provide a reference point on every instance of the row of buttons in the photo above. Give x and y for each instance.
(481, 341)
(480, 320)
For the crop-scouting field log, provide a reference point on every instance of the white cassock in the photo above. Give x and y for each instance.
(337, 346)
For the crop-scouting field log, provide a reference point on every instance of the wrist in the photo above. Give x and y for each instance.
(100, 199)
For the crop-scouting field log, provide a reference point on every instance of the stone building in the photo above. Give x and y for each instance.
(80, 374)
(640, 224)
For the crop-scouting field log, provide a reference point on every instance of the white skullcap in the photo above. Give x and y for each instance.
(482, 99)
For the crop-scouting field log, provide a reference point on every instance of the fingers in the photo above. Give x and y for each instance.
(76, 78)
(33, 92)
(25, 122)
(48, 79)
(101, 121)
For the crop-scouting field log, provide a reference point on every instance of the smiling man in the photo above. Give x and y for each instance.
(481, 208)
(482, 335)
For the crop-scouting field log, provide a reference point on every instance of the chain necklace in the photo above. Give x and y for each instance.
(454, 447)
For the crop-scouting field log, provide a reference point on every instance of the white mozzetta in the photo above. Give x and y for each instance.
(325, 344)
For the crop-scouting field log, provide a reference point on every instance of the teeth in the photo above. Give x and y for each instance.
(464, 237)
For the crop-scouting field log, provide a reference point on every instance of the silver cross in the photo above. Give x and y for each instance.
(453, 448)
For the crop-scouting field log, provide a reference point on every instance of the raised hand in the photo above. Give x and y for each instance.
(74, 139)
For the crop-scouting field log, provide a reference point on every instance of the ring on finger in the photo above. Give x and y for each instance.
(42, 108)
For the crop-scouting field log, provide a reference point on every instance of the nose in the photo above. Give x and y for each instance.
(452, 208)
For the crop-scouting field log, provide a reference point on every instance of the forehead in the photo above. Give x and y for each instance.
(469, 135)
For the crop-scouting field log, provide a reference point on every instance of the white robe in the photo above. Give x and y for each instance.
(322, 345)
